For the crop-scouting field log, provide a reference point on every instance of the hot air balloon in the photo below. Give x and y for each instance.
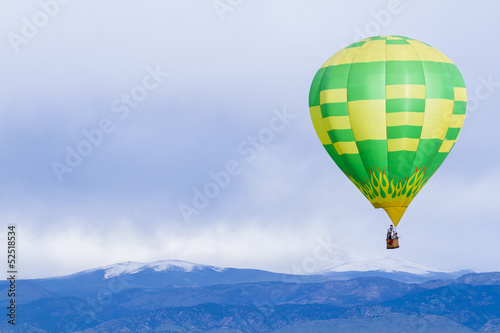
(388, 110)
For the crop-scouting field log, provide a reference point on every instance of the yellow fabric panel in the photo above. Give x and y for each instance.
(333, 96)
(402, 144)
(315, 112)
(437, 118)
(337, 122)
(368, 120)
(427, 53)
(401, 52)
(442, 56)
(395, 213)
(346, 147)
(344, 56)
(405, 118)
(319, 125)
(460, 94)
(457, 120)
(321, 132)
(371, 51)
(446, 146)
(405, 91)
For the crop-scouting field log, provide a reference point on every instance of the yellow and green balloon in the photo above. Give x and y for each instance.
(388, 110)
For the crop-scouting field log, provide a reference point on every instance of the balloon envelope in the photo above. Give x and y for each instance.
(388, 110)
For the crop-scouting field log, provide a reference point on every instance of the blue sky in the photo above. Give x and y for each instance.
(166, 99)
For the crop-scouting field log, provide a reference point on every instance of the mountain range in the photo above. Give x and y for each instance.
(177, 296)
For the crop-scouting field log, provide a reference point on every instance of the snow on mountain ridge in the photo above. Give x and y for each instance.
(131, 267)
(387, 264)
(353, 262)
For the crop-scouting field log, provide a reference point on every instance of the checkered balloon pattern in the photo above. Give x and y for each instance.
(388, 110)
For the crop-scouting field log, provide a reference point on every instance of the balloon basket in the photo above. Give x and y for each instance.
(394, 244)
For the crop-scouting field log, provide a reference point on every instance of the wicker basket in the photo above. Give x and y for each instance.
(394, 244)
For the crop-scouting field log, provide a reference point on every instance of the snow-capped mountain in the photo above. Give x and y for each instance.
(376, 265)
(392, 267)
(160, 274)
(131, 267)
(164, 273)
(174, 295)
(385, 264)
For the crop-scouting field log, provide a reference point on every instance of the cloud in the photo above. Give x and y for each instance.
(225, 78)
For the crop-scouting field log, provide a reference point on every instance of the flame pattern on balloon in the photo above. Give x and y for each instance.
(380, 189)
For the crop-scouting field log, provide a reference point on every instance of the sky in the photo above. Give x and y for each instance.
(143, 131)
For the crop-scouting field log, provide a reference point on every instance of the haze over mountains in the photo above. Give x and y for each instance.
(177, 296)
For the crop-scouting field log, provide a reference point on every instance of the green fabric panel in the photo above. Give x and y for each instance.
(355, 44)
(344, 135)
(459, 107)
(397, 132)
(452, 133)
(426, 152)
(400, 164)
(373, 153)
(335, 77)
(355, 167)
(438, 80)
(349, 163)
(405, 104)
(436, 163)
(404, 72)
(458, 80)
(315, 88)
(336, 157)
(397, 42)
(334, 109)
(366, 81)
(331, 150)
